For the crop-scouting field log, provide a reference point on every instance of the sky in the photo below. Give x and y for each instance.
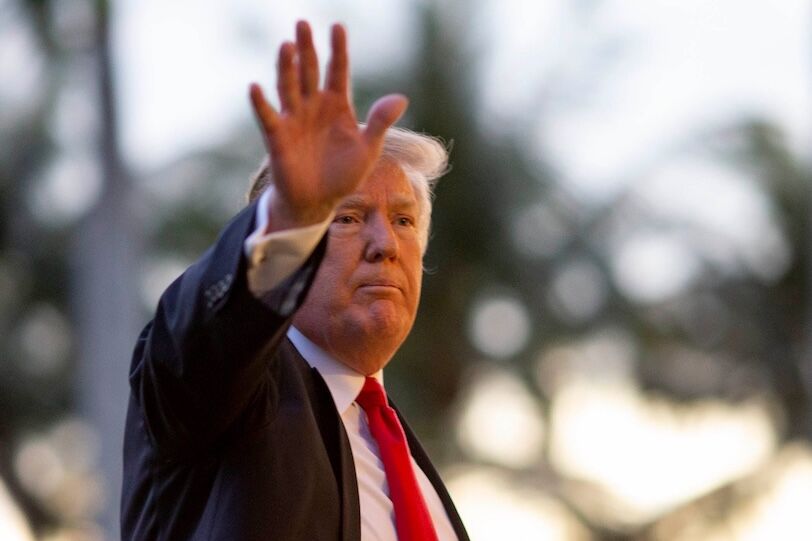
(185, 66)
(617, 85)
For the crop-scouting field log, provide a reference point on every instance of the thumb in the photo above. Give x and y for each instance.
(383, 113)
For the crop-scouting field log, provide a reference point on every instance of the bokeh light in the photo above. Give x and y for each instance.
(499, 326)
(501, 421)
(13, 525)
(45, 340)
(654, 266)
(578, 291)
(58, 467)
(495, 509)
(678, 453)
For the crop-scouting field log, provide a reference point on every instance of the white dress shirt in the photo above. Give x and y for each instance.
(271, 258)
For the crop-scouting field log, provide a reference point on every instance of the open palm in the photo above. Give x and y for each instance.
(318, 152)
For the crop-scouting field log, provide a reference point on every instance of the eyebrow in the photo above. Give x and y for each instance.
(397, 202)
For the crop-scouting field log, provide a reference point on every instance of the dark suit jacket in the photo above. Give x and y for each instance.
(230, 434)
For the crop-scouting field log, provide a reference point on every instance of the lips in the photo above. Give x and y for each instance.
(380, 283)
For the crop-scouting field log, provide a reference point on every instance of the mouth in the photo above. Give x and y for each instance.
(379, 285)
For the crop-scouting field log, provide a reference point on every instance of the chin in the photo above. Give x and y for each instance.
(380, 332)
(386, 321)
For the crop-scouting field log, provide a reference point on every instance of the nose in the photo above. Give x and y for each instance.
(381, 243)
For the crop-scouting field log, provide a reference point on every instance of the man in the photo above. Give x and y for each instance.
(241, 426)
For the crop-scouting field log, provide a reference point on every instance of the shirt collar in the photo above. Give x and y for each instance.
(344, 382)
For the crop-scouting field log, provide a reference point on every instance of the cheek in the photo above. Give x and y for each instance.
(334, 274)
(415, 277)
(324, 287)
(416, 299)
(413, 266)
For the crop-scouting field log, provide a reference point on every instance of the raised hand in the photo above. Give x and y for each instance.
(318, 152)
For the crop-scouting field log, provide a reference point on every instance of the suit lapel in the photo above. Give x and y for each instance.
(422, 459)
(336, 444)
(338, 449)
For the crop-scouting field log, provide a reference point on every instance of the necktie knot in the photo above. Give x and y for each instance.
(372, 395)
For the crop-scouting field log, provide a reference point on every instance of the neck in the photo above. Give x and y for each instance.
(361, 358)
(364, 356)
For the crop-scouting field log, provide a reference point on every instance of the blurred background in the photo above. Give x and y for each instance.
(614, 341)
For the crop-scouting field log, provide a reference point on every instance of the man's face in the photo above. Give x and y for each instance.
(364, 298)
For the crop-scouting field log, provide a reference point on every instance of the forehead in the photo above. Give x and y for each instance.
(387, 182)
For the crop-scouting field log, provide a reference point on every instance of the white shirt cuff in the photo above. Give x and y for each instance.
(272, 257)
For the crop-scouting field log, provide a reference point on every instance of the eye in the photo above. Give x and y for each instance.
(345, 219)
(405, 221)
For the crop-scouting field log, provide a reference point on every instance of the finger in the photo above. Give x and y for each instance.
(338, 72)
(308, 61)
(383, 113)
(265, 113)
(287, 81)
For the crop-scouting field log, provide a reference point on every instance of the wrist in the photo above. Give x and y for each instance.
(281, 215)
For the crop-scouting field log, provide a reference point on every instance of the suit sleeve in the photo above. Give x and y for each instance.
(203, 359)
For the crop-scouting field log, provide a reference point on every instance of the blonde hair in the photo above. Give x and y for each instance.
(423, 158)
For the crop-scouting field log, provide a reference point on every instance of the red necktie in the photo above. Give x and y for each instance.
(412, 518)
